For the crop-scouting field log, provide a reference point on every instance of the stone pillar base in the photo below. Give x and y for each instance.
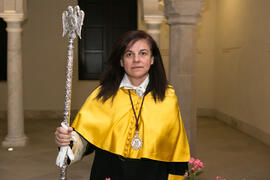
(15, 141)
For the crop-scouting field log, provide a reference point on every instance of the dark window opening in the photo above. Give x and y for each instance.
(3, 50)
(105, 21)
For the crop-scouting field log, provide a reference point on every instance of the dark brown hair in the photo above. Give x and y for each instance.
(113, 73)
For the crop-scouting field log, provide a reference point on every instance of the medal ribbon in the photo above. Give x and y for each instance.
(137, 118)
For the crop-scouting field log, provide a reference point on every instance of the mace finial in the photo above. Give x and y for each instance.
(72, 20)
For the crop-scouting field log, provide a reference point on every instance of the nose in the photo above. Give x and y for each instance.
(136, 58)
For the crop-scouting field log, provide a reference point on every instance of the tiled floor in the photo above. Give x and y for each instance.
(36, 161)
(230, 153)
(225, 151)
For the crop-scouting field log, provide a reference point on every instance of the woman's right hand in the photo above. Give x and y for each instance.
(63, 136)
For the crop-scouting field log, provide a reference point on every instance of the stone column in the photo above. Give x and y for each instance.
(183, 16)
(15, 136)
(153, 25)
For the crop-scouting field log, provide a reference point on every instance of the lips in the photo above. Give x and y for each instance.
(137, 67)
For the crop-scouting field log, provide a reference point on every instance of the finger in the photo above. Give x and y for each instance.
(70, 129)
(62, 130)
(64, 136)
(60, 142)
(62, 139)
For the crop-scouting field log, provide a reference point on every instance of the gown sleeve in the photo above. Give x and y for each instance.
(80, 147)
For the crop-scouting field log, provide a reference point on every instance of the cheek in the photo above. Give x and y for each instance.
(149, 62)
(125, 65)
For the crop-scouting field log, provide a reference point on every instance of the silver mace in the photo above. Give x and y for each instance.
(72, 23)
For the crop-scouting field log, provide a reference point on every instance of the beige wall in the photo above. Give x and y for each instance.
(206, 56)
(242, 63)
(233, 60)
(44, 59)
(164, 45)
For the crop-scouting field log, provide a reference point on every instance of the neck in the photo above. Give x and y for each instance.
(136, 82)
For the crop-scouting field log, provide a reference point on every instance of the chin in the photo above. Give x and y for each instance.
(138, 76)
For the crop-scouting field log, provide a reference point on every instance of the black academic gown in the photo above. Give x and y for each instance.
(115, 167)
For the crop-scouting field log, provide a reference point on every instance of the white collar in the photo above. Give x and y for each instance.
(139, 90)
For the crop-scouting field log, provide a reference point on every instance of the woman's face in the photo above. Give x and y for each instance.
(136, 61)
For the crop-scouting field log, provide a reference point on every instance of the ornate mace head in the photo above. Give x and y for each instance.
(72, 22)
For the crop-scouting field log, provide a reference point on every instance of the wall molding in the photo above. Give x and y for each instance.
(236, 124)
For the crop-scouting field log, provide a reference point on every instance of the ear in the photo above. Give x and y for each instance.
(152, 60)
(121, 62)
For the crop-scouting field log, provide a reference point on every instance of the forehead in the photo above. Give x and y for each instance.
(139, 44)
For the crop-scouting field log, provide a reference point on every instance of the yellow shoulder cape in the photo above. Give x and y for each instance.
(111, 126)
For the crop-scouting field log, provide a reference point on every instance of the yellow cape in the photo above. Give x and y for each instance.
(111, 126)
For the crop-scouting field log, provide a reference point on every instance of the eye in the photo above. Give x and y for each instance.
(128, 54)
(143, 53)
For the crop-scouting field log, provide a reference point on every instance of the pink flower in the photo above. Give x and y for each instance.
(195, 168)
(197, 161)
(107, 178)
(220, 178)
(196, 164)
(191, 160)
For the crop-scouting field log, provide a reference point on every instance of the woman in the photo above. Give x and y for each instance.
(132, 120)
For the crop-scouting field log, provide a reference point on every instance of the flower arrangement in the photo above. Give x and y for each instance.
(195, 169)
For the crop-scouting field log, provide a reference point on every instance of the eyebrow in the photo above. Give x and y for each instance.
(144, 50)
(140, 50)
